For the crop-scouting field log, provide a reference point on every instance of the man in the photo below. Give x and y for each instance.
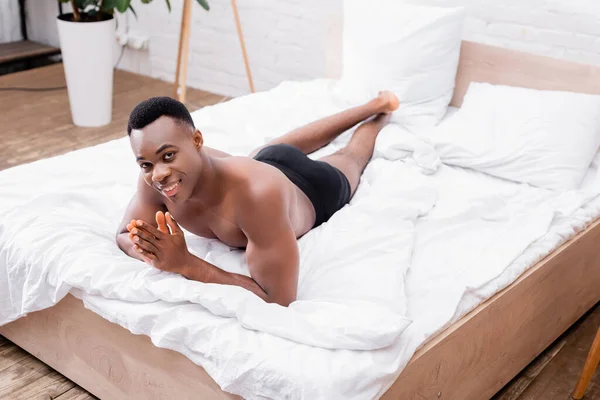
(263, 202)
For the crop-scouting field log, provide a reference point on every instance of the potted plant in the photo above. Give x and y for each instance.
(87, 37)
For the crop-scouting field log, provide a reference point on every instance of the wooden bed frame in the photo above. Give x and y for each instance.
(472, 359)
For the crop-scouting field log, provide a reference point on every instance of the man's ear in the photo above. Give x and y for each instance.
(198, 139)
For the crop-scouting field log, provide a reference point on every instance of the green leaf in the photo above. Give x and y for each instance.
(122, 5)
(108, 5)
(168, 5)
(204, 4)
(133, 11)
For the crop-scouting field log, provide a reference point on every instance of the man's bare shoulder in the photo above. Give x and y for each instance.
(256, 183)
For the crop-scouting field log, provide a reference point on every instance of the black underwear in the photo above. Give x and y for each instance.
(326, 186)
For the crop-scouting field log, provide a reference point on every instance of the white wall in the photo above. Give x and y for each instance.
(41, 20)
(301, 39)
(10, 27)
(285, 39)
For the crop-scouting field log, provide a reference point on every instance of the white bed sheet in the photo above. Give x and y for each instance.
(508, 225)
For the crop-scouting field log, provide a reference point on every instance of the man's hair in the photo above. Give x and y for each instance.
(152, 109)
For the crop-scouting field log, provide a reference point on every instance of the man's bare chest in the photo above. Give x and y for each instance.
(212, 224)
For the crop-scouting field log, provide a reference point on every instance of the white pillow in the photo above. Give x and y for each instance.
(545, 138)
(408, 49)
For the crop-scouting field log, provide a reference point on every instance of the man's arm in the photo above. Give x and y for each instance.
(271, 253)
(202, 271)
(272, 256)
(168, 252)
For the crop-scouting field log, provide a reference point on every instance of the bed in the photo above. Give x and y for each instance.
(470, 358)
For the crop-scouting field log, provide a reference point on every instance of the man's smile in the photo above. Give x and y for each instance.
(169, 190)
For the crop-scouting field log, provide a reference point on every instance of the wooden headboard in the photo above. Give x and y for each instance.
(484, 63)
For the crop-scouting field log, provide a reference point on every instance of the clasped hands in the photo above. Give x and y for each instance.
(162, 248)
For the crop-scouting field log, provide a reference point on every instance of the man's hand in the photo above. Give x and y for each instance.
(161, 248)
(167, 251)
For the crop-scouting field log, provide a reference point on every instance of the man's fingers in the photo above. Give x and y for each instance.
(160, 221)
(149, 228)
(142, 234)
(144, 244)
(172, 224)
(146, 255)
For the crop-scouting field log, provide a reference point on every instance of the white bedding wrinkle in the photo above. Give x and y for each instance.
(420, 244)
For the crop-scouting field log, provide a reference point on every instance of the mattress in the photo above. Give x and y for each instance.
(422, 242)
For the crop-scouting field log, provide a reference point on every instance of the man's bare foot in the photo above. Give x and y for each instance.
(388, 100)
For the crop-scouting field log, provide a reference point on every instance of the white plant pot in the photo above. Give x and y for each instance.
(87, 52)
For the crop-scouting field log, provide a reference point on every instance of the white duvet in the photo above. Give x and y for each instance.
(418, 246)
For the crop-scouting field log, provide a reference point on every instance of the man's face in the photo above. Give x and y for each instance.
(168, 155)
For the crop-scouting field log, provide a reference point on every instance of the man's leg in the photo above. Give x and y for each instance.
(352, 159)
(317, 134)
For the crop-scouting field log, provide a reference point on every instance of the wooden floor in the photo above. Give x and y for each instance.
(38, 125)
(23, 376)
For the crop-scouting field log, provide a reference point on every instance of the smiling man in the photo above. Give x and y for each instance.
(263, 202)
